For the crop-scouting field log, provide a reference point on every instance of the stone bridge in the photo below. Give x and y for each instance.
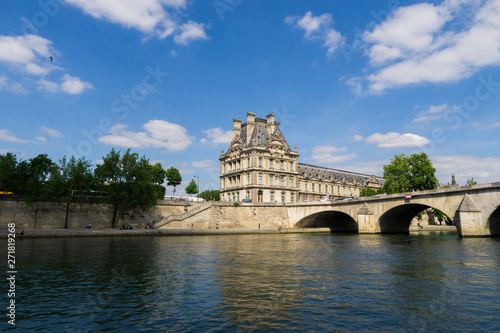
(475, 210)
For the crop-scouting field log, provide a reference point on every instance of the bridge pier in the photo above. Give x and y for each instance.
(469, 220)
(367, 222)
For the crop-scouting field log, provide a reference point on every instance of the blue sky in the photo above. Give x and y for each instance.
(353, 83)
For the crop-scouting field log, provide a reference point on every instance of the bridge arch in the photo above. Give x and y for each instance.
(494, 222)
(397, 220)
(336, 221)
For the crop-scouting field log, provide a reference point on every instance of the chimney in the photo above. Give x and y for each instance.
(270, 124)
(250, 125)
(236, 127)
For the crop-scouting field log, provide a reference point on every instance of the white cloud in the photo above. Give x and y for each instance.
(422, 43)
(7, 135)
(203, 164)
(70, 84)
(24, 49)
(495, 125)
(13, 87)
(435, 112)
(28, 53)
(217, 136)
(368, 168)
(42, 139)
(49, 86)
(318, 27)
(190, 31)
(325, 155)
(465, 167)
(149, 16)
(51, 132)
(73, 85)
(358, 138)
(159, 134)
(397, 140)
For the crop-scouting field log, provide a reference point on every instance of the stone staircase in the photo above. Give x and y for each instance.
(183, 216)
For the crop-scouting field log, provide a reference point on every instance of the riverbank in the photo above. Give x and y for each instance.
(188, 232)
(155, 232)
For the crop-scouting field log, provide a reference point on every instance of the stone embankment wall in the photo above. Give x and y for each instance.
(50, 216)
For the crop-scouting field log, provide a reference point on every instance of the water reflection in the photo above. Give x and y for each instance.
(303, 282)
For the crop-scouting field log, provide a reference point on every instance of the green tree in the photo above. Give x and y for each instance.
(369, 192)
(208, 195)
(471, 182)
(409, 173)
(192, 188)
(158, 174)
(128, 183)
(33, 176)
(72, 181)
(173, 178)
(8, 176)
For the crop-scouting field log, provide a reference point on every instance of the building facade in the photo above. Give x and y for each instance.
(260, 165)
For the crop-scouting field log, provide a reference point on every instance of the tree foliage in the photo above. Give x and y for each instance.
(72, 181)
(471, 182)
(409, 173)
(173, 178)
(192, 188)
(129, 182)
(209, 195)
(369, 192)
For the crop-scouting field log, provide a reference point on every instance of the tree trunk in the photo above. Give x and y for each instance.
(67, 215)
(115, 214)
(36, 213)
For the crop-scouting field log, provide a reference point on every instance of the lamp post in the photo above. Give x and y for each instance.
(198, 192)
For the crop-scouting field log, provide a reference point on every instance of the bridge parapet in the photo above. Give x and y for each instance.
(475, 209)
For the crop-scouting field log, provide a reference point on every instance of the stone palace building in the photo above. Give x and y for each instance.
(260, 165)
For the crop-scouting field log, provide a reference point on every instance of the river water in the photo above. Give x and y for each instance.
(267, 282)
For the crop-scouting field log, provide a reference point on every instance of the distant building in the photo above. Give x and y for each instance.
(260, 165)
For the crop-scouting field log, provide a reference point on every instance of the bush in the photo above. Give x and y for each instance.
(236, 204)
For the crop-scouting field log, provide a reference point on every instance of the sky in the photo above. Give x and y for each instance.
(353, 83)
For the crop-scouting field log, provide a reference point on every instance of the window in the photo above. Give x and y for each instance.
(271, 179)
(345, 192)
(312, 185)
(272, 196)
(282, 166)
(270, 164)
(260, 178)
(260, 162)
(282, 197)
(305, 186)
(291, 166)
(282, 181)
(248, 179)
(319, 188)
(292, 197)
(291, 181)
(248, 194)
(248, 162)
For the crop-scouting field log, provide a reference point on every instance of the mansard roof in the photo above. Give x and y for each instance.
(260, 137)
(312, 171)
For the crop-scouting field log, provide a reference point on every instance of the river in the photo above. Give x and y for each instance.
(268, 282)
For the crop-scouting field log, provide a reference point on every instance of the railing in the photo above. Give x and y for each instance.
(182, 216)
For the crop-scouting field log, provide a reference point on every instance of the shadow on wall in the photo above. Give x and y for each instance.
(336, 221)
(494, 222)
(398, 219)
